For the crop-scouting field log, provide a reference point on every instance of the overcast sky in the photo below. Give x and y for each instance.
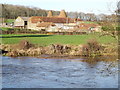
(86, 6)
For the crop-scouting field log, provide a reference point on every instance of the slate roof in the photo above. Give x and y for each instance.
(25, 18)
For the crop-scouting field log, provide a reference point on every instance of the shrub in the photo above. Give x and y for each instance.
(24, 44)
(60, 49)
(92, 48)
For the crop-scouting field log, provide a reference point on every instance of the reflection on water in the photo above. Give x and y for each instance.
(93, 61)
(27, 72)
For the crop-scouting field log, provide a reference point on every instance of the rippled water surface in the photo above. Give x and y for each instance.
(27, 72)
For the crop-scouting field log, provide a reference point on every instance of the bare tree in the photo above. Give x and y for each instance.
(110, 24)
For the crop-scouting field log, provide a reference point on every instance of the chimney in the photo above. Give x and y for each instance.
(50, 14)
(63, 14)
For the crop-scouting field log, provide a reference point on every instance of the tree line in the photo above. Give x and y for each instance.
(13, 11)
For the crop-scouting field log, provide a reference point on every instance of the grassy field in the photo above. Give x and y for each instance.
(9, 20)
(55, 39)
(5, 28)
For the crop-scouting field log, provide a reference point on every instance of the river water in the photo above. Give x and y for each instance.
(29, 72)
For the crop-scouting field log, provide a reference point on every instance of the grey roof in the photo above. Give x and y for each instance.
(25, 18)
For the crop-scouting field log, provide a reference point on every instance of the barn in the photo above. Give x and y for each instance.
(21, 22)
(50, 22)
(61, 21)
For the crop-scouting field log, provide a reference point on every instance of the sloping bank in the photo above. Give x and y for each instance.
(91, 48)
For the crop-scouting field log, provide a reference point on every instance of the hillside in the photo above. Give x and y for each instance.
(13, 11)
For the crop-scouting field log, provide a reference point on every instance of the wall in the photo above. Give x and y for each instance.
(31, 25)
(19, 22)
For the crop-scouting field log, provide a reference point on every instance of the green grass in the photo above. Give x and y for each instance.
(9, 20)
(5, 28)
(45, 40)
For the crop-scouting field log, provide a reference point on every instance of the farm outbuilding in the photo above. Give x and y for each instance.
(62, 21)
(21, 22)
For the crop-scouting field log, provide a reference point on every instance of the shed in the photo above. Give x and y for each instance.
(21, 22)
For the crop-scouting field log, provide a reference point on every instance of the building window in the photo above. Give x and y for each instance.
(25, 22)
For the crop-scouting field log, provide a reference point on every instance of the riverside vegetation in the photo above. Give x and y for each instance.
(91, 47)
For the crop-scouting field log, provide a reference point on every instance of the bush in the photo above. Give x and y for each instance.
(108, 28)
(24, 44)
(118, 28)
(92, 48)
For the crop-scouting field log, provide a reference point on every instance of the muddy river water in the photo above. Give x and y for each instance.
(27, 72)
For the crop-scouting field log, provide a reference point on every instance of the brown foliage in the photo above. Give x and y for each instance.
(60, 48)
(92, 48)
(24, 44)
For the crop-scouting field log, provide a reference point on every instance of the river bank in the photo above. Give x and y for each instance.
(91, 49)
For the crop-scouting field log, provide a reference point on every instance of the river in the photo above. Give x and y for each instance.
(30, 72)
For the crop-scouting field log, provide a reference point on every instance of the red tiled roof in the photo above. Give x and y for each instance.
(36, 19)
(83, 28)
(79, 20)
(87, 26)
(45, 24)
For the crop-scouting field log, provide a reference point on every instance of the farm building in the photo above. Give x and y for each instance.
(48, 26)
(61, 21)
(89, 27)
(49, 23)
(50, 14)
(21, 22)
